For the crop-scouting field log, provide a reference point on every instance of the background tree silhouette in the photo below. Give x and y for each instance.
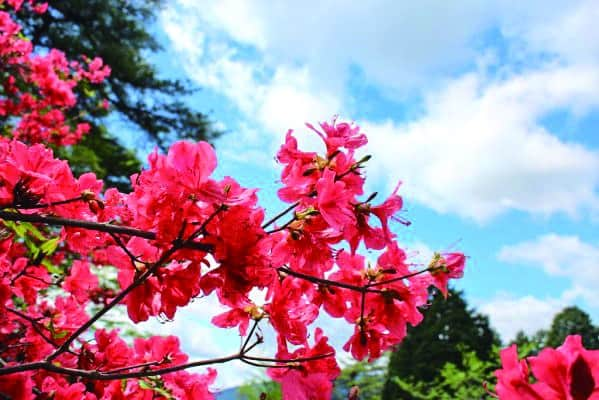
(572, 320)
(449, 329)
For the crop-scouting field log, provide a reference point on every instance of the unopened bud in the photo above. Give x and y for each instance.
(371, 197)
(95, 206)
(364, 159)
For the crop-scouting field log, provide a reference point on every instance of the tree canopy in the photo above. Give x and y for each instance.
(572, 320)
(449, 330)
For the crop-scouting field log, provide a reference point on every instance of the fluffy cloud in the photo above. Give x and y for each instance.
(395, 43)
(479, 149)
(509, 314)
(561, 256)
(563, 28)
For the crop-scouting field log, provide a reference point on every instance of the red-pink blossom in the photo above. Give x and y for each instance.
(569, 372)
(309, 380)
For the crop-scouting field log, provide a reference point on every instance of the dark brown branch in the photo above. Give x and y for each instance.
(123, 246)
(34, 325)
(294, 360)
(249, 337)
(282, 227)
(202, 227)
(326, 282)
(75, 223)
(104, 376)
(52, 204)
(144, 365)
(279, 215)
(177, 245)
(94, 226)
(116, 300)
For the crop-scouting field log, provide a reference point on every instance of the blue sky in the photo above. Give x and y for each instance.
(487, 111)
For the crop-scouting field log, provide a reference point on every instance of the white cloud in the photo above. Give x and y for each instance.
(509, 314)
(561, 256)
(395, 43)
(566, 29)
(478, 150)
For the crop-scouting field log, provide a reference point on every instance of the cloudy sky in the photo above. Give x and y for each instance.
(488, 111)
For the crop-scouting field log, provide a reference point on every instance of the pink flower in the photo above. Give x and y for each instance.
(309, 380)
(80, 281)
(290, 312)
(17, 386)
(340, 135)
(569, 372)
(333, 201)
(446, 266)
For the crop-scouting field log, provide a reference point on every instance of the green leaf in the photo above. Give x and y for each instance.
(33, 231)
(60, 335)
(153, 386)
(144, 385)
(53, 269)
(50, 246)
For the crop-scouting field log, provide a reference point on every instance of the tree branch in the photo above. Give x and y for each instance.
(279, 215)
(94, 226)
(326, 282)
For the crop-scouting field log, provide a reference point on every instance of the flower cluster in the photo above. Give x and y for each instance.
(569, 372)
(178, 235)
(177, 217)
(110, 354)
(37, 89)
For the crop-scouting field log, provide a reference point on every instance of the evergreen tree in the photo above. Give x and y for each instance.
(572, 320)
(449, 330)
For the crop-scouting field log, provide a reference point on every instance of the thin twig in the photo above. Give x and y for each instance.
(327, 282)
(249, 337)
(282, 227)
(279, 215)
(399, 278)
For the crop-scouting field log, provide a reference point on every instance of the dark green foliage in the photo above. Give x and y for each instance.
(466, 381)
(449, 330)
(529, 346)
(572, 320)
(117, 31)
